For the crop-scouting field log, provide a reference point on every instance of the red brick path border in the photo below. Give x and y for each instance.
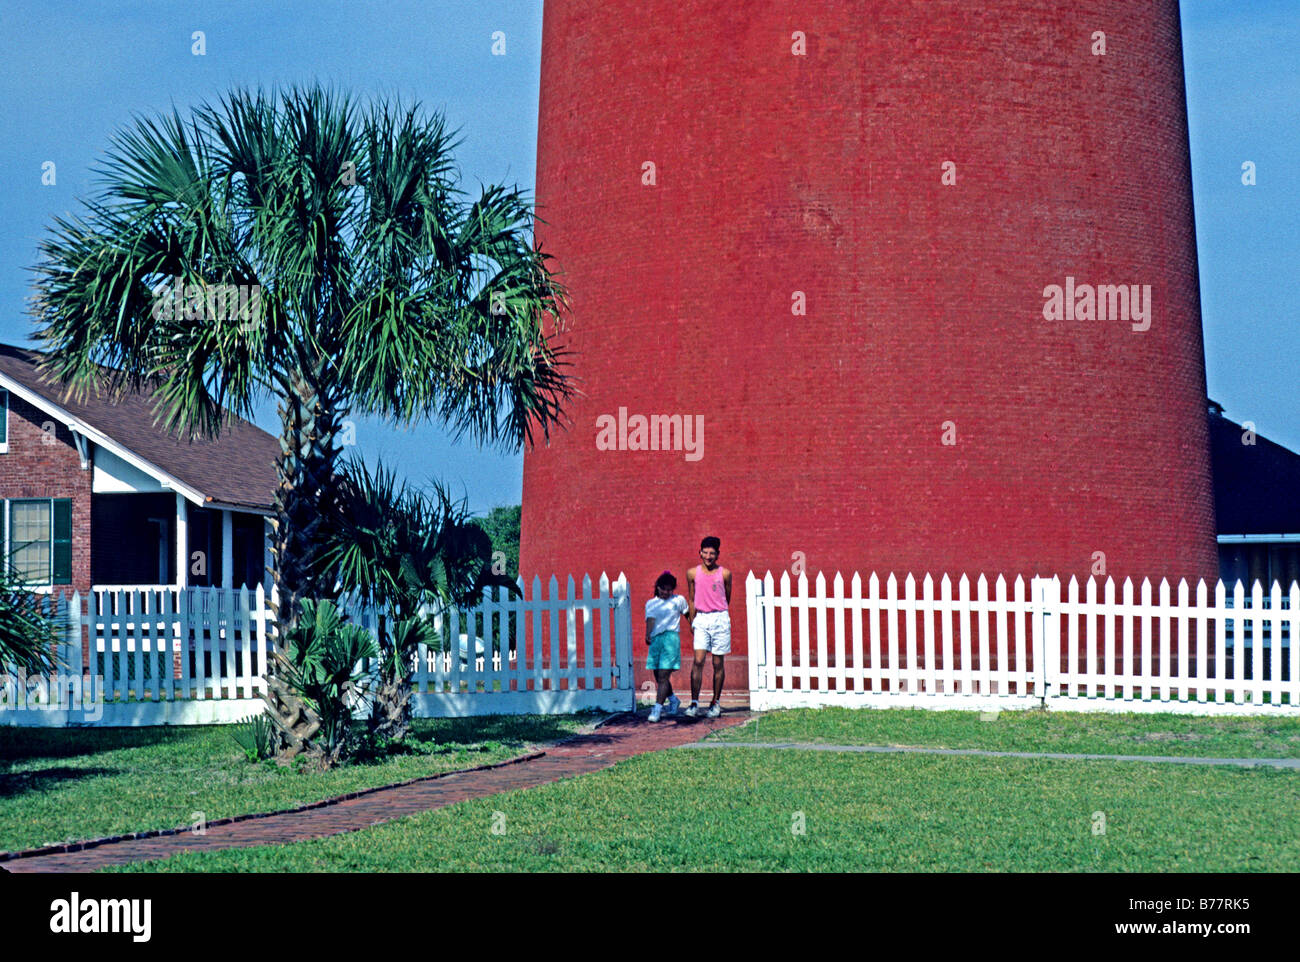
(621, 738)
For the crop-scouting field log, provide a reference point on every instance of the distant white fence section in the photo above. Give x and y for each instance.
(975, 650)
(536, 653)
(149, 655)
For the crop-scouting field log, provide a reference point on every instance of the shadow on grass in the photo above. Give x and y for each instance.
(25, 744)
(19, 783)
(433, 736)
(514, 730)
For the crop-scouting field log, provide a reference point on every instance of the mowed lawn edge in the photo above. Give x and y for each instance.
(754, 809)
(71, 785)
(1097, 733)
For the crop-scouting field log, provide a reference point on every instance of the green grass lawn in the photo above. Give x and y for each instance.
(60, 785)
(742, 809)
(1032, 731)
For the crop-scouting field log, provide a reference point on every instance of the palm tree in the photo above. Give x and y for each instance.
(397, 550)
(376, 287)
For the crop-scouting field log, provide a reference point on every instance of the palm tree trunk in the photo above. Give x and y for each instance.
(390, 715)
(305, 467)
(295, 723)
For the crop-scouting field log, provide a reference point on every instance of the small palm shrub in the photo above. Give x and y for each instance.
(28, 633)
(256, 736)
(319, 679)
(404, 553)
(390, 717)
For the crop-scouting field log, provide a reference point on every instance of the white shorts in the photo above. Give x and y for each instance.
(713, 632)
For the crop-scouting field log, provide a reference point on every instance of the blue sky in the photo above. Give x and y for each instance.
(74, 73)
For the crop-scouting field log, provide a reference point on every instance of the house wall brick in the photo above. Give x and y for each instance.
(822, 174)
(45, 464)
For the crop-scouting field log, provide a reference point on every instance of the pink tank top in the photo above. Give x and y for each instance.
(710, 592)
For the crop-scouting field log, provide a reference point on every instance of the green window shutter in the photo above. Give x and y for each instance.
(4, 416)
(62, 547)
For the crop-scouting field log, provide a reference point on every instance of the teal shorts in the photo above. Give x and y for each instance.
(665, 651)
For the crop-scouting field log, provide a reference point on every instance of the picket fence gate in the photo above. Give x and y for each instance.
(939, 650)
(160, 655)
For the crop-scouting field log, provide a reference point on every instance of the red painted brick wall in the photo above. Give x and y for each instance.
(822, 174)
(33, 469)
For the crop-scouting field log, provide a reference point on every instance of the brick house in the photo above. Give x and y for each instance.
(92, 492)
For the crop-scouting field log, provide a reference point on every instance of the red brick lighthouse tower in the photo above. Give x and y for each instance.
(924, 272)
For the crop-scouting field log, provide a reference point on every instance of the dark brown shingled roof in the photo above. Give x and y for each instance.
(237, 469)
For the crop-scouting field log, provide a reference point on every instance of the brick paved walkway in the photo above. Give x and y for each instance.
(613, 742)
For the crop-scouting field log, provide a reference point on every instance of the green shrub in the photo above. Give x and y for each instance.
(255, 736)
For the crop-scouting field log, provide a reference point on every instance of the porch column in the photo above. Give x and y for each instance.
(268, 532)
(227, 549)
(182, 542)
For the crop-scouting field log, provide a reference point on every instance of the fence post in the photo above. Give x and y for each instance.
(623, 636)
(56, 608)
(754, 630)
(1047, 635)
(260, 600)
(73, 642)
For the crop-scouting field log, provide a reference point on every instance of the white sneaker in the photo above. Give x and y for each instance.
(715, 710)
(692, 711)
(655, 712)
(674, 704)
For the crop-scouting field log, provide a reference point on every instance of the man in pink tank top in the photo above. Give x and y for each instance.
(708, 593)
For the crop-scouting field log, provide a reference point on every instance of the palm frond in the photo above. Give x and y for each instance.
(28, 631)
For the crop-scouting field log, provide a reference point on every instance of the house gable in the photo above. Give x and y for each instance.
(163, 508)
(235, 470)
(116, 475)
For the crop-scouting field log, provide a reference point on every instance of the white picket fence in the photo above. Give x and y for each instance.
(150, 655)
(535, 653)
(160, 655)
(1227, 655)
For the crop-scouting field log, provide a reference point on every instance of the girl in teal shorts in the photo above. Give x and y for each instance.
(663, 616)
